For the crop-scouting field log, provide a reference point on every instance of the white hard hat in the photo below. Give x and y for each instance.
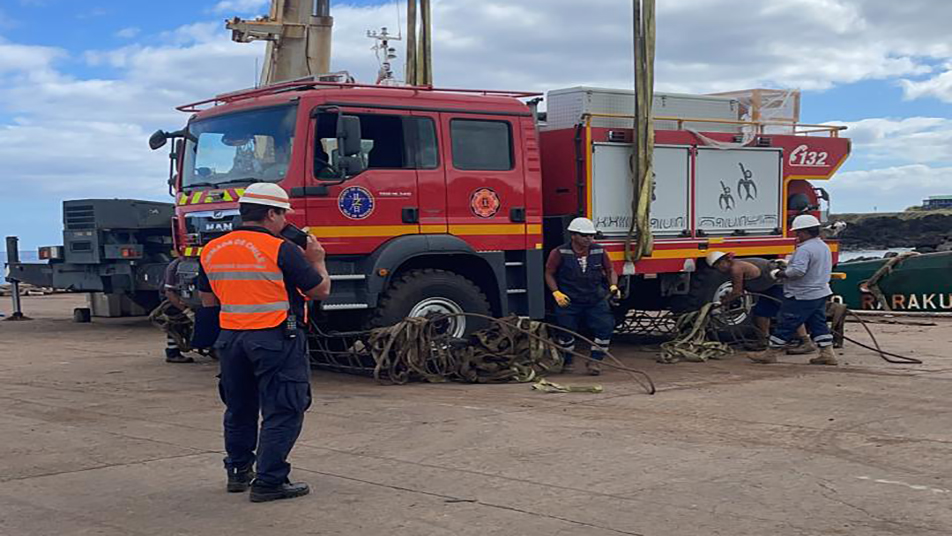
(266, 193)
(715, 256)
(804, 221)
(582, 226)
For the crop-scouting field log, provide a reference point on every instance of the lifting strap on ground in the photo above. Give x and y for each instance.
(546, 386)
(693, 341)
(510, 349)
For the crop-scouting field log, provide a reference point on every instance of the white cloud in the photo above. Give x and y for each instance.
(128, 33)
(887, 189)
(913, 139)
(241, 6)
(938, 86)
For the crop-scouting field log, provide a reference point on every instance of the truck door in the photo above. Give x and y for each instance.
(485, 181)
(431, 176)
(359, 214)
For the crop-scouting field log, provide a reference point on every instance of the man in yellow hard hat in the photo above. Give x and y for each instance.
(258, 279)
(581, 278)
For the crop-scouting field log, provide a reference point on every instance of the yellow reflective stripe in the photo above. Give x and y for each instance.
(182, 199)
(195, 197)
(659, 254)
(227, 196)
(363, 231)
(479, 229)
(255, 308)
(488, 229)
(245, 276)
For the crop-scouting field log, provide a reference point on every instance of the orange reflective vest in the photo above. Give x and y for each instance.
(242, 268)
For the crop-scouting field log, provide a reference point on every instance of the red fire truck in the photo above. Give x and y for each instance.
(441, 201)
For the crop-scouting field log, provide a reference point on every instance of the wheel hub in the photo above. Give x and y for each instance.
(434, 307)
(737, 313)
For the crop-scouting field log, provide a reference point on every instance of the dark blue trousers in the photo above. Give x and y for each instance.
(263, 372)
(596, 316)
(811, 313)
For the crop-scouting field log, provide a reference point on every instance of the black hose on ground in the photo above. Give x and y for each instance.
(888, 357)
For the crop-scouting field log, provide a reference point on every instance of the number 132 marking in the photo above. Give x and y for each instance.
(802, 156)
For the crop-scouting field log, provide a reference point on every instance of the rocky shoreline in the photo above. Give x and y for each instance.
(927, 232)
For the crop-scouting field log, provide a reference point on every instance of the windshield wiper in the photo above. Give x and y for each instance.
(220, 184)
(236, 181)
(198, 185)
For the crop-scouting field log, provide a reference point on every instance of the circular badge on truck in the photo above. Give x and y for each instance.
(485, 202)
(355, 202)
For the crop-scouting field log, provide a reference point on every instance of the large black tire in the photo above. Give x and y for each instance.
(708, 285)
(704, 287)
(431, 291)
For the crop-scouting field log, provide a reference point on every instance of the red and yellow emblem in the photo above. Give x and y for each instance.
(485, 202)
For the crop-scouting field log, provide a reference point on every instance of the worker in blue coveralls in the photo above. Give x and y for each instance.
(581, 278)
(806, 289)
(258, 280)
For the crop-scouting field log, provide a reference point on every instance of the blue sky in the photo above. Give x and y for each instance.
(82, 84)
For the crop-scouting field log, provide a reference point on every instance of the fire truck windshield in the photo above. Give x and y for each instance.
(241, 147)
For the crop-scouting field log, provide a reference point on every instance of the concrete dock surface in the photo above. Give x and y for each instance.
(99, 436)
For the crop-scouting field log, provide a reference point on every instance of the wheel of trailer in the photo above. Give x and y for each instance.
(430, 293)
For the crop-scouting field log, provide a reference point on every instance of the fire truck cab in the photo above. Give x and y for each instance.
(438, 211)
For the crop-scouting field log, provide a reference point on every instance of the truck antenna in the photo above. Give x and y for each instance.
(385, 54)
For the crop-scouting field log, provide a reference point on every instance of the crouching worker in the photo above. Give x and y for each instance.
(754, 275)
(173, 318)
(257, 278)
(580, 276)
(806, 288)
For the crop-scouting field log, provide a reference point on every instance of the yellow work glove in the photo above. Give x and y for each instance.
(561, 299)
(615, 291)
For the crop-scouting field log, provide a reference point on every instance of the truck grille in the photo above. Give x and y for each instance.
(79, 217)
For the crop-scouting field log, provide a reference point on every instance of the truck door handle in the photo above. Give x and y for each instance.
(410, 215)
(309, 191)
(517, 214)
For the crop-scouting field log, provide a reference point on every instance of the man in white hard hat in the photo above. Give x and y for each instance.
(581, 278)
(806, 288)
(258, 279)
(753, 274)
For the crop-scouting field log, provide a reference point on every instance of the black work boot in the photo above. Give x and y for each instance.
(287, 490)
(173, 355)
(240, 479)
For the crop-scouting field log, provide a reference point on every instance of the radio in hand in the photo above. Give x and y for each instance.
(295, 235)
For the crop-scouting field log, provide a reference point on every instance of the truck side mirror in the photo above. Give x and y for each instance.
(158, 139)
(348, 135)
(350, 166)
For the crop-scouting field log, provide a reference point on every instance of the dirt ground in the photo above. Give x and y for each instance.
(98, 435)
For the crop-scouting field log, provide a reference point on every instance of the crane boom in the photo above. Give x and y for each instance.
(298, 33)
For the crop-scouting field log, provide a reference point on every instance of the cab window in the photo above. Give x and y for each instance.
(481, 145)
(387, 142)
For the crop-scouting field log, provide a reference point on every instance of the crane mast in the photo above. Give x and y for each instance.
(298, 33)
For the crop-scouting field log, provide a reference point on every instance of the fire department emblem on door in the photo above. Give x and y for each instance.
(485, 202)
(355, 202)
